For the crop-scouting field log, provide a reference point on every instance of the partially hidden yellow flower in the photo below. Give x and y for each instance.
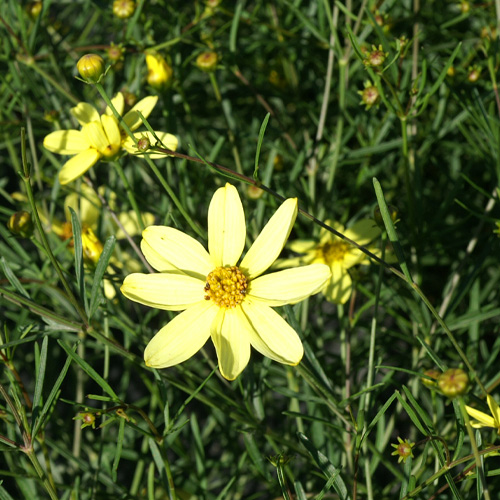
(87, 206)
(102, 137)
(159, 71)
(337, 254)
(483, 419)
(229, 302)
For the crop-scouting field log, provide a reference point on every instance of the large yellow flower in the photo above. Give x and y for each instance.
(102, 137)
(336, 253)
(483, 419)
(228, 302)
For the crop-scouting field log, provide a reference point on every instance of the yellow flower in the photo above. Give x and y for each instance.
(228, 302)
(88, 208)
(101, 136)
(483, 419)
(337, 254)
(159, 71)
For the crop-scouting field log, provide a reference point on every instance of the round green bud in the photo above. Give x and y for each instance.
(453, 382)
(91, 67)
(123, 8)
(207, 61)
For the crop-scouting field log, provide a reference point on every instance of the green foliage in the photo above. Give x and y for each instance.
(280, 112)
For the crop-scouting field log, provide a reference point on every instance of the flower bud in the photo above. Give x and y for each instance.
(115, 53)
(33, 9)
(254, 192)
(91, 67)
(159, 71)
(87, 418)
(207, 61)
(403, 450)
(143, 144)
(370, 96)
(453, 382)
(375, 57)
(474, 74)
(123, 8)
(21, 224)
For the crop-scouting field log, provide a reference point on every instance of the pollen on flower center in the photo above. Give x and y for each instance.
(333, 252)
(226, 286)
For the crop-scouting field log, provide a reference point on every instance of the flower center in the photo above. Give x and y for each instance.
(333, 252)
(226, 286)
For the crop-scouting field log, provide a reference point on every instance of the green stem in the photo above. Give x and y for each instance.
(41, 474)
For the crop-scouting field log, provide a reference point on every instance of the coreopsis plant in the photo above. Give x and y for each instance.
(337, 254)
(229, 302)
(483, 419)
(102, 137)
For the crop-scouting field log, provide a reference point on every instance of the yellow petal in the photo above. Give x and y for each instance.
(78, 165)
(289, 286)
(482, 419)
(169, 141)
(231, 344)
(156, 259)
(271, 240)
(90, 206)
(110, 126)
(226, 226)
(363, 231)
(182, 337)
(145, 106)
(85, 113)
(172, 292)
(302, 246)
(352, 257)
(66, 142)
(339, 288)
(130, 224)
(495, 409)
(175, 248)
(118, 102)
(94, 132)
(271, 335)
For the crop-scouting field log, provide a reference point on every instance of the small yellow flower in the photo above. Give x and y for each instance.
(403, 450)
(229, 302)
(159, 71)
(102, 137)
(339, 255)
(483, 419)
